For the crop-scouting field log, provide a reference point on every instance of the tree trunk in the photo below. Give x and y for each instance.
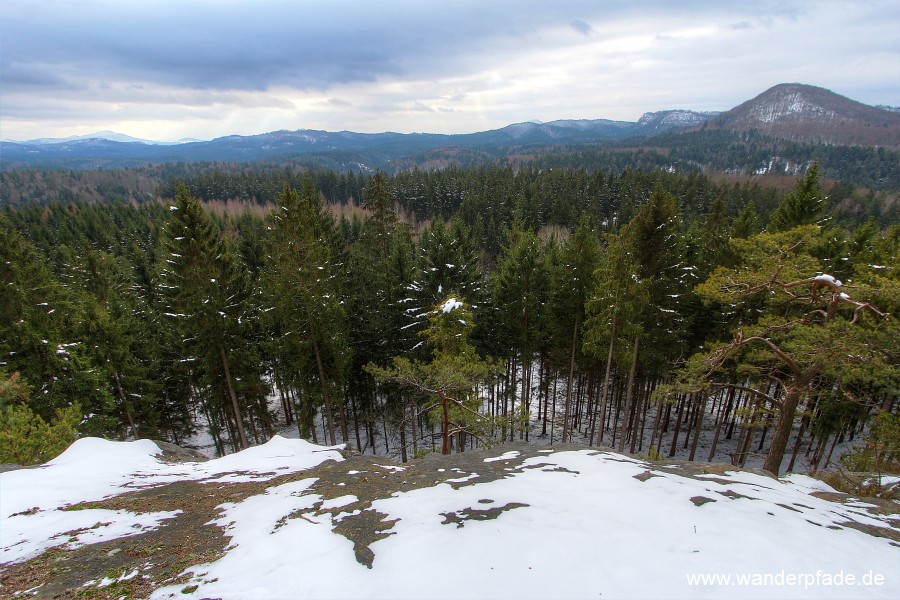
(234, 401)
(792, 394)
(414, 421)
(659, 412)
(128, 415)
(545, 390)
(682, 406)
(725, 408)
(359, 445)
(403, 456)
(701, 412)
(526, 399)
(637, 436)
(553, 414)
(567, 410)
(345, 431)
(505, 396)
(326, 397)
(837, 437)
(445, 449)
(626, 417)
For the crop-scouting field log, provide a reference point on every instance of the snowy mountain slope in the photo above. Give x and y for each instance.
(808, 113)
(666, 120)
(290, 519)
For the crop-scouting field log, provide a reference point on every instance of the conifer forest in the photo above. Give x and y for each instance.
(439, 311)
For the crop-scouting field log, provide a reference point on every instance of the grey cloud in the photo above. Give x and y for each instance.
(582, 27)
(35, 77)
(257, 46)
(231, 47)
(208, 54)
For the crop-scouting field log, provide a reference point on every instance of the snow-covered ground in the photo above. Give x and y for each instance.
(94, 469)
(558, 524)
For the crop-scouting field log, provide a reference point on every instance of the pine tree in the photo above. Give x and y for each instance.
(452, 377)
(813, 330)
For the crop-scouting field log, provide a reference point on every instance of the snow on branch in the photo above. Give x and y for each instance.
(450, 305)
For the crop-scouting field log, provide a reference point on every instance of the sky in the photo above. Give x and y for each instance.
(168, 70)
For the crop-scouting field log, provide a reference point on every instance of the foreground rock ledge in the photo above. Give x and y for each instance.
(138, 565)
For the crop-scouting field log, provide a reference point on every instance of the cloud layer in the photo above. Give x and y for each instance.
(166, 69)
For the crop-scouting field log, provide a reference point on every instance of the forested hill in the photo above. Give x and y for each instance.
(736, 155)
(441, 311)
(547, 193)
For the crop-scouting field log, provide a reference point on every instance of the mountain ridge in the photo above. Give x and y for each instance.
(795, 112)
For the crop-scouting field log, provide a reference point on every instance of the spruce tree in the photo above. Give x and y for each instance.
(613, 315)
(520, 292)
(802, 206)
(41, 327)
(655, 240)
(303, 295)
(203, 290)
(377, 277)
(573, 285)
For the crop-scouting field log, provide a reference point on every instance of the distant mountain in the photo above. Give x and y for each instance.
(796, 112)
(283, 145)
(812, 114)
(110, 136)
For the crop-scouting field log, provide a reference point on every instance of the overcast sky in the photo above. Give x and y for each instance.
(167, 70)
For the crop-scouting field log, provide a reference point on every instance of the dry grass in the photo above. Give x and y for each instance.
(867, 485)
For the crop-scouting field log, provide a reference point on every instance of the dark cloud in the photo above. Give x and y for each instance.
(214, 46)
(34, 77)
(258, 45)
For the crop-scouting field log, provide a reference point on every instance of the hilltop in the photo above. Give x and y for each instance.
(807, 113)
(290, 519)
